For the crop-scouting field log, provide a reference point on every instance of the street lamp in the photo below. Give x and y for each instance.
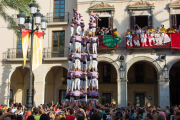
(165, 69)
(29, 25)
(121, 69)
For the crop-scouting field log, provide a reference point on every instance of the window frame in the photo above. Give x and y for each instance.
(19, 39)
(58, 40)
(59, 9)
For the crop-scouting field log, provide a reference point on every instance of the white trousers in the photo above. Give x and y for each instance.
(70, 65)
(83, 66)
(83, 84)
(72, 31)
(77, 83)
(88, 63)
(82, 33)
(96, 83)
(83, 48)
(77, 64)
(71, 47)
(94, 45)
(88, 45)
(68, 84)
(93, 82)
(72, 85)
(78, 30)
(89, 82)
(78, 45)
(94, 64)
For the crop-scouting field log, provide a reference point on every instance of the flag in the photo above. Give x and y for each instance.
(37, 50)
(25, 43)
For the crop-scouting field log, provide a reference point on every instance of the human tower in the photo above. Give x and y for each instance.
(82, 81)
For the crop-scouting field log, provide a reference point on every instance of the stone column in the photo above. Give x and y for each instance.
(163, 90)
(39, 88)
(122, 93)
(152, 18)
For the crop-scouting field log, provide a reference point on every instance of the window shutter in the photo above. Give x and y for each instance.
(174, 21)
(150, 21)
(133, 21)
(111, 22)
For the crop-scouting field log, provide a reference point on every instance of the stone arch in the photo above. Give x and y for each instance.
(111, 61)
(173, 61)
(145, 59)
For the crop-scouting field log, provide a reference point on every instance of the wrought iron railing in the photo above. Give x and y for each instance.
(54, 52)
(58, 17)
(12, 53)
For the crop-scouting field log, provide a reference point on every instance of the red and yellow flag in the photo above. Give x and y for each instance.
(25, 43)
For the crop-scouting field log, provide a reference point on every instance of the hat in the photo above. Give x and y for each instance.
(129, 33)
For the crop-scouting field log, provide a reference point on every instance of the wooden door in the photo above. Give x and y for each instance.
(110, 22)
(133, 22)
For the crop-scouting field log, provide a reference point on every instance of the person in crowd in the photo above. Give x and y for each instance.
(82, 27)
(78, 29)
(94, 61)
(88, 42)
(163, 30)
(94, 41)
(69, 79)
(158, 30)
(78, 39)
(70, 58)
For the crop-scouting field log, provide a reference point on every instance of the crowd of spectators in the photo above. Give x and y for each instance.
(106, 31)
(88, 111)
(148, 30)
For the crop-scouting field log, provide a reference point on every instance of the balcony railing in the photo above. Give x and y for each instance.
(55, 52)
(13, 53)
(58, 17)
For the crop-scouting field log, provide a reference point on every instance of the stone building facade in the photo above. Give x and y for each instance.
(143, 77)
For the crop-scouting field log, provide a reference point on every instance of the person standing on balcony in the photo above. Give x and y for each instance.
(88, 42)
(94, 41)
(69, 76)
(77, 42)
(78, 29)
(70, 57)
(71, 44)
(82, 27)
(94, 61)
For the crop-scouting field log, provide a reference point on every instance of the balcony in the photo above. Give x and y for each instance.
(14, 54)
(55, 53)
(58, 18)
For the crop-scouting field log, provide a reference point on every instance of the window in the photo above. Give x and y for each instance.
(106, 73)
(32, 95)
(62, 96)
(141, 21)
(19, 47)
(106, 98)
(58, 40)
(59, 9)
(11, 96)
(139, 73)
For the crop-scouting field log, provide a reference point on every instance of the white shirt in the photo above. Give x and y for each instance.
(138, 31)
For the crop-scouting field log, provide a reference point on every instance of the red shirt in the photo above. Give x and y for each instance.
(70, 117)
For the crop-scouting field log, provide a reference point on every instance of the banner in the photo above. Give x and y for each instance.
(175, 42)
(148, 40)
(37, 50)
(25, 43)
